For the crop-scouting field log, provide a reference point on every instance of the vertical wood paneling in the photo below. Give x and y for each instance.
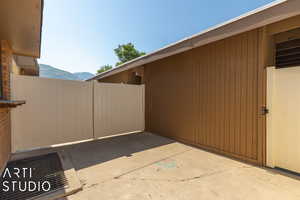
(254, 108)
(238, 88)
(209, 96)
(261, 98)
(222, 77)
(243, 111)
(231, 91)
(227, 96)
(251, 97)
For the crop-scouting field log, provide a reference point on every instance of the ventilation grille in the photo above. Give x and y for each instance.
(288, 54)
(44, 168)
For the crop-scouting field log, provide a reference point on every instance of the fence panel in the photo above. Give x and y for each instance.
(118, 108)
(56, 112)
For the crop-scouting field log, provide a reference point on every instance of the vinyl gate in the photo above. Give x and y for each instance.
(118, 108)
(283, 121)
(63, 111)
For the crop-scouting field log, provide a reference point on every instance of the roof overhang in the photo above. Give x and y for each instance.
(274, 12)
(26, 62)
(21, 25)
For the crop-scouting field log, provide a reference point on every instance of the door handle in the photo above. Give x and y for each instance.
(264, 110)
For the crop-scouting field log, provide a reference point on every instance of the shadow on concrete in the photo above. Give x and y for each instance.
(283, 172)
(99, 151)
(86, 154)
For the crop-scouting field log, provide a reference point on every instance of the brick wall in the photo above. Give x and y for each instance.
(6, 63)
(5, 134)
(5, 141)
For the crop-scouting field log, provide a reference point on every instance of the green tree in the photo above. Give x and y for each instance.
(127, 52)
(104, 68)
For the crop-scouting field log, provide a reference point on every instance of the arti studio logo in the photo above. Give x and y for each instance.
(22, 180)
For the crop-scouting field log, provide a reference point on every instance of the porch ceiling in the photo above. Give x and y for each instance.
(20, 24)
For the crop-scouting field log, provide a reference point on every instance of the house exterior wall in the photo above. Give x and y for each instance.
(124, 77)
(210, 96)
(15, 69)
(5, 137)
(25, 66)
(29, 71)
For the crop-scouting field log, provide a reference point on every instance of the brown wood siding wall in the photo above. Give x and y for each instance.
(121, 77)
(124, 77)
(211, 97)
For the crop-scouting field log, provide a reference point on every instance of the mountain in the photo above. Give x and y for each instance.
(48, 71)
(83, 75)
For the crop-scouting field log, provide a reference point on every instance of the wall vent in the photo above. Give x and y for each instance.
(288, 54)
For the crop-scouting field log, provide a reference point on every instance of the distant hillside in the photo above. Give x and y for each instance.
(83, 75)
(48, 71)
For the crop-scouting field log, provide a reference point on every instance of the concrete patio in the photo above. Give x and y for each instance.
(146, 166)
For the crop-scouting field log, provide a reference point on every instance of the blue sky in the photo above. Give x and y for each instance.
(80, 35)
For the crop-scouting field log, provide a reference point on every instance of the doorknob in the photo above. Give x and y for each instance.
(264, 110)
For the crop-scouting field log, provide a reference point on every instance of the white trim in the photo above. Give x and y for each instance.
(270, 98)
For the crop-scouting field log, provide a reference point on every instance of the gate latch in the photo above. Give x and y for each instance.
(264, 110)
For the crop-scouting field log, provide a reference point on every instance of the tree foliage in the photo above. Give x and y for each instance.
(104, 68)
(127, 52)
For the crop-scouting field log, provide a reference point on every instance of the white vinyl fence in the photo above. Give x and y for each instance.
(119, 108)
(64, 111)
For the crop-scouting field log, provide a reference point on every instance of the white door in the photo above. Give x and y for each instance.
(283, 121)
